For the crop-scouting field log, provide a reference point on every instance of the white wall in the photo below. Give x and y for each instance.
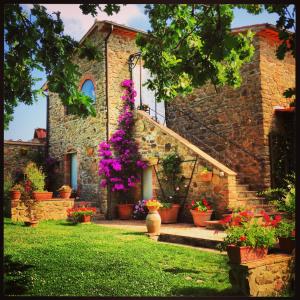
(148, 96)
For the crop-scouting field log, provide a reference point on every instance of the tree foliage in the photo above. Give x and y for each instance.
(35, 41)
(188, 45)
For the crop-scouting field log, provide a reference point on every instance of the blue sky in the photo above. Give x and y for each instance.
(27, 118)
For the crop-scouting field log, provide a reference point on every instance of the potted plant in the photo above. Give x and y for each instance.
(285, 231)
(169, 212)
(247, 239)
(15, 192)
(65, 191)
(143, 107)
(201, 211)
(37, 178)
(121, 162)
(140, 210)
(206, 174)
(81, 214)
(153, 220)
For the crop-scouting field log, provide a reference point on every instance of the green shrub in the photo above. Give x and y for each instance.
(7, 185)
(36, 176)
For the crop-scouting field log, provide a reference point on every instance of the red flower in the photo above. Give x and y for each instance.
(293, 233)
(243, 238)
(227, 219)
(205, 202)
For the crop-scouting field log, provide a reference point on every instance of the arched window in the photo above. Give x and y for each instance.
(88, 89)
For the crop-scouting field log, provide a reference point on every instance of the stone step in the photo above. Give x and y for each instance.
(242, 187)
(246, 194)
(214, 224)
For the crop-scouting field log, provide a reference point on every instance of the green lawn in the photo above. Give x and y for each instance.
(57, 258)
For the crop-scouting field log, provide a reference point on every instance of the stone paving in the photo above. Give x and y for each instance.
(176, 230)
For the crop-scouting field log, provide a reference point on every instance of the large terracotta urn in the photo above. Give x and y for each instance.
(153, 221)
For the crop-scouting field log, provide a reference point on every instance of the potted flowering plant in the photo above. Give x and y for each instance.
(81, 214)
(121, 163)
(169, 212)
(65, 191)
(37, 178)
(153, 220)
(285, 231)
(247, 239)
(15, 192)
(206, 174)
(140, 210)
(201, 211)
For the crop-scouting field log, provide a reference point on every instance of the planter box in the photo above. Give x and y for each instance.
(40, 196)
(169, 215)
(239, 255)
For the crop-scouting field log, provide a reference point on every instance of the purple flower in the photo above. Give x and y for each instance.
(103, 183)
(116, 165)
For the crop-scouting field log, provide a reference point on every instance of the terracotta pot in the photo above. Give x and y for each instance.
(15, 195)
(287, 244)
(31, 223)
(199, 217)
(169, 214)
(238, 255)
(153, 222)
(40, 196)
(65, 195)
(206, 176)
(85, 218)
(125, 211)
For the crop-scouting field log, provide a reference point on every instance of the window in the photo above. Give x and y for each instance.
(88, 89)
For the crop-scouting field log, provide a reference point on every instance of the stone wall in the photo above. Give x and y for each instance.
(264, 277)
(17, 154)
(276, 76)
(54, 209)
(156, 140)
(232, 125)
(73, 134)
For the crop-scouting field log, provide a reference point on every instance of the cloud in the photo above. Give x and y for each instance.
(77, 24)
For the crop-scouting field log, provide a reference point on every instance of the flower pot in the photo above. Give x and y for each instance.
(287, 244)
(85, 218)
(199, 217)
(40, 196)
(125, 211)
(206, 176)
(15, 195)
(169, 214)
(65, 195)
(242, 254)
(31, 223)
(153, 222)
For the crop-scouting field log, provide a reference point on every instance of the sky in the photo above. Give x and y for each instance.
(27, 118)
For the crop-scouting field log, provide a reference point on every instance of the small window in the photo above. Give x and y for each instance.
(88, 89)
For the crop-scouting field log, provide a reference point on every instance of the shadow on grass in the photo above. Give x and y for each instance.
(180, 270)
(16, 281)
(134, 233)
(203, 291)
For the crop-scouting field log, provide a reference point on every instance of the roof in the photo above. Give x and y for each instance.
(266, 29)
(40, 133)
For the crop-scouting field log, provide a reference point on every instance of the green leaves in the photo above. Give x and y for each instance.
(190, 45)
(35, 41)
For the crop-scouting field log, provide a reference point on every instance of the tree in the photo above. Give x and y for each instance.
(189, 45)
(36, 40)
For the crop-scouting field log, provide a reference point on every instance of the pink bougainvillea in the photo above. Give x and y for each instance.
(121, 163)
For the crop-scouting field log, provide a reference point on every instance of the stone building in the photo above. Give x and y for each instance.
(243, 117)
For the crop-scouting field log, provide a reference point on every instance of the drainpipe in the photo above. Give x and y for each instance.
(47, 127)
(109, 209)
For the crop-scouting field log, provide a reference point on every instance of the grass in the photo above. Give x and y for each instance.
(58, 259)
